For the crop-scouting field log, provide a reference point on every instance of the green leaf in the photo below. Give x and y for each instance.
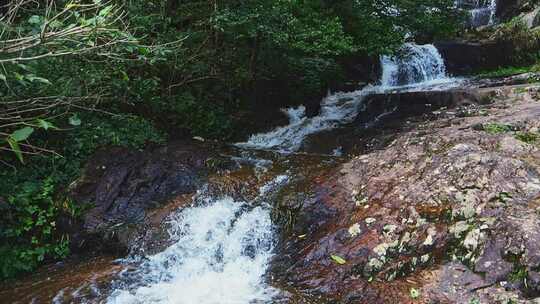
(35, 19)
(20, 78)
(415, 293)
(75, 120)
(24, 67)
(55, 24)
(72, 5)
(339, 260)
(16, 149)
(22, 134)
(38, 79)
(104, 12)
(3, 77)
(45, 124)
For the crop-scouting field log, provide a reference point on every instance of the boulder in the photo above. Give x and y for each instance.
(508, 9)
(463, 58)
(121, 191)
(400, 105)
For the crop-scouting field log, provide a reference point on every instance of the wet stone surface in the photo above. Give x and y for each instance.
(438, 208)
(456, 189)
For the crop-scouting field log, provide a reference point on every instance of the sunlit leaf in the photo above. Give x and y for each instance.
(45, 124)
(38, 79)
(106, 11)
(35, 19)
(338, 260)
(16, 149)
(22, 134)
(75, 120)
(415, 293)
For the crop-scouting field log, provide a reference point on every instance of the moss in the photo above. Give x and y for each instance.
(497, 128)
(520, 272)
(528, 137)
(519, 275)
(510, 71)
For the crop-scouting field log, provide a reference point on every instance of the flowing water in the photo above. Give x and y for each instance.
(220, 248)
(336, 109)
(413, 67)
(221, 252)
(481, 12)
(413, 64)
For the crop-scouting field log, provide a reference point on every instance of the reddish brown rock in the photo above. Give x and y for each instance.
(459, 188)
(123, 192)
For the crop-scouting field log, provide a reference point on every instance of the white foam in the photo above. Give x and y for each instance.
(336, 109)
(412, 64)
(220, 255)
(417, 67)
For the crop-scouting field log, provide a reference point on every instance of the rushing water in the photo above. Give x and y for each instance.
(413, 64)
(220, 255)
(413, 67)
(221, 248)
(481, 12)
(336, 109)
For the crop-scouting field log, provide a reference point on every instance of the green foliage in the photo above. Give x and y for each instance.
(35, 193)
(338, 260)
(311, 76)
(414, 293)
(97, 131)
(528, 137)
(524, 42)
(474, 301)
(84, 80)
(289, 25)
(497, 128)
(509, 71)
(519, 274)
(28, 225)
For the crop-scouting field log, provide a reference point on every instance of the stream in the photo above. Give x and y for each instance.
(221, 249)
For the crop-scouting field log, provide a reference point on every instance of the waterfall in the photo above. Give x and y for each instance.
(336, 109)
(414, 67)
(413, 64)
(220, 254)
(481, 12)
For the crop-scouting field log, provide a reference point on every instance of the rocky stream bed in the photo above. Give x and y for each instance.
(438, 204)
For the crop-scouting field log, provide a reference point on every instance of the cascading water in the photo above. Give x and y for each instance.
(336, 109)
(220, 254)
(481, 12)
(413, 67)
(413, 64)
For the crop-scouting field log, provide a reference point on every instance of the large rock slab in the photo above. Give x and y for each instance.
(507, 9)
(400, 105)
(463, 57)
(122, 190)
(387, 225)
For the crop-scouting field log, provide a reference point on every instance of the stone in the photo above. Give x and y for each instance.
(435, 203)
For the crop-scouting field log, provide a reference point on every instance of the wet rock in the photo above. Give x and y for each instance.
(507, 9)
(400, 105)
(121, 190)
(448, 208)
(482, 55)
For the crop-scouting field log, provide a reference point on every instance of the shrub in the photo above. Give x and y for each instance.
(34, 194)
(524, 42)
